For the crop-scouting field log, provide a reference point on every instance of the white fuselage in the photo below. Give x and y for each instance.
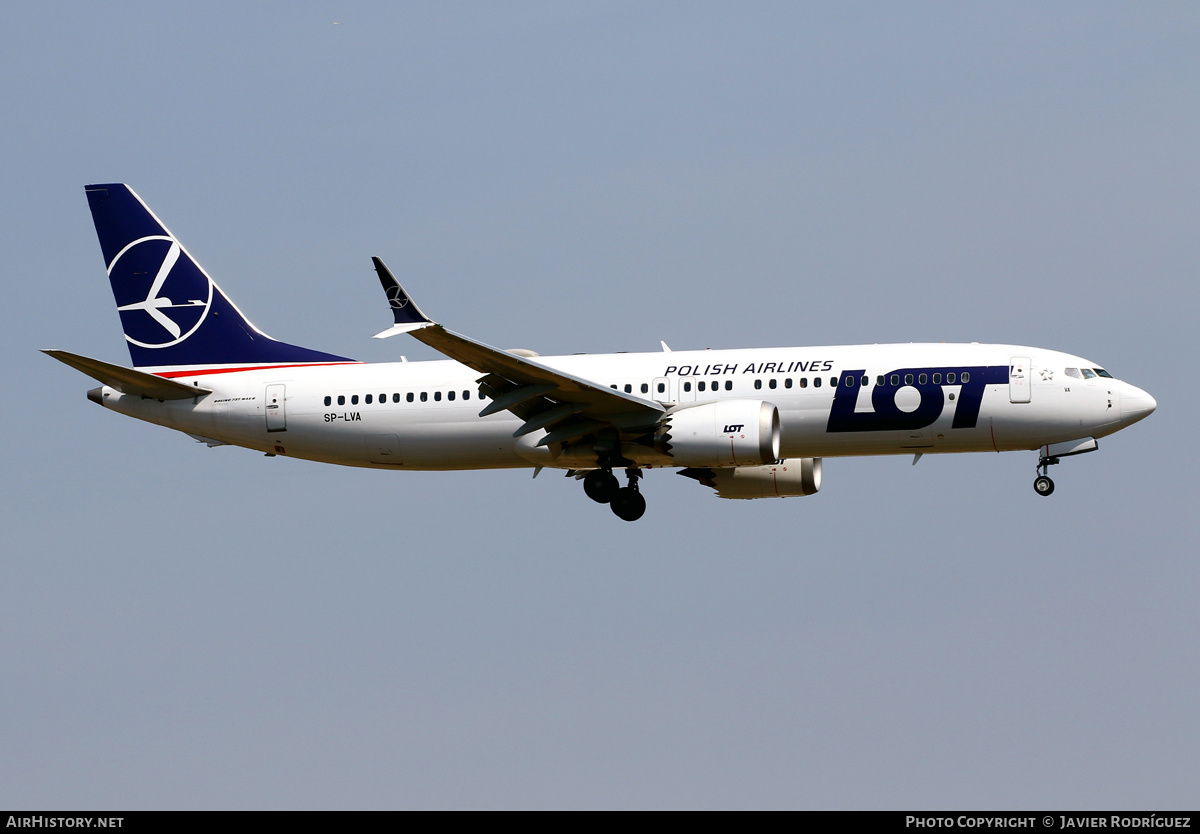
(424, 415)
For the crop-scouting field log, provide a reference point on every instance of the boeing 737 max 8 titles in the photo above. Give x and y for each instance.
(751, 423)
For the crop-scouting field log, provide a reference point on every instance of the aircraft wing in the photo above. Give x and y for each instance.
(127, 380)
(567, 406)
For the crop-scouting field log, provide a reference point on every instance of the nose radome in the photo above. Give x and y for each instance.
(1136, 404)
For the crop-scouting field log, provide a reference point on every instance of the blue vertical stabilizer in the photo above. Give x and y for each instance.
(171, 311)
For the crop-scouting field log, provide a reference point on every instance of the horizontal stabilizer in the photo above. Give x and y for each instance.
(128, 381)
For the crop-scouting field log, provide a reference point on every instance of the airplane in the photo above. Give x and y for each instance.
(747, 423)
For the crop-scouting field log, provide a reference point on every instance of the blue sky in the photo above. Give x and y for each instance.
(193, 628)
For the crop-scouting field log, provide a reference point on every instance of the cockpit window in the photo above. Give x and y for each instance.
(1103, 373)
(1088, 373)
(1073, 373)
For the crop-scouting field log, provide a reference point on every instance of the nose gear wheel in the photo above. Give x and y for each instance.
(1042, 484)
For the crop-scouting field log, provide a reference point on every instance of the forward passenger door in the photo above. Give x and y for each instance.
(1018, 379)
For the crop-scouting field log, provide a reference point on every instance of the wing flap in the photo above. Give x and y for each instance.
(517, 396)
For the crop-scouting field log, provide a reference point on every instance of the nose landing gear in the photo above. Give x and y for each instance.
(1042, 484)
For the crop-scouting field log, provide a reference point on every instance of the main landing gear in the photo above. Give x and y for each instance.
(627, 503)
(1042, 484)
(601, 485)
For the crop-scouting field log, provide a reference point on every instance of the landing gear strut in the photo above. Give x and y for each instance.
(1042, 484)
(628, 503)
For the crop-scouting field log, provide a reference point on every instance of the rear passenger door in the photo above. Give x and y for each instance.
(276, 407)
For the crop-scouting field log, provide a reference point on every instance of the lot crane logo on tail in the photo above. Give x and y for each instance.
(155, 291)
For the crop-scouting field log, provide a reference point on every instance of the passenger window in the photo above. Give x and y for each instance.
(937, 379)
(1088, 373)
(409, 396)
(367, 399)
(329, 401)
(922, 379)
(716, 384)
(341, 399)
(450, 396)
(865, 381)
(613, 387)
(758, 383)
(816, 382)
(908, 379)
(396, 397)
(895, 379)
(662, 387)
(803, 382)
(628, 388)
(849, 381)
(966, 377)
(787, 383)
(729, 385)
(645, 388)
(879, 380)
(354, 399)
(687, 386)
(424, 396)
(949, 379)
(437, 396)
(382, 399)
(466, 395)
(700, 385)
(771, 384)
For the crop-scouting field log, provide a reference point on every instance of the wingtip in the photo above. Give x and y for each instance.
(404, 310)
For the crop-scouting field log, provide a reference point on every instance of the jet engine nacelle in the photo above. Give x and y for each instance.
(781, 479)
(728, 433)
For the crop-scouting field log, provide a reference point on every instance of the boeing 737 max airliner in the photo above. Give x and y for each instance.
(752, 423)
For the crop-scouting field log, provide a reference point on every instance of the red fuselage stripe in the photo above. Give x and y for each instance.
(205, 371)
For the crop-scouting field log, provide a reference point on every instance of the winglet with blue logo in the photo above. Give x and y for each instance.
(405, 312)
(172, 313)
